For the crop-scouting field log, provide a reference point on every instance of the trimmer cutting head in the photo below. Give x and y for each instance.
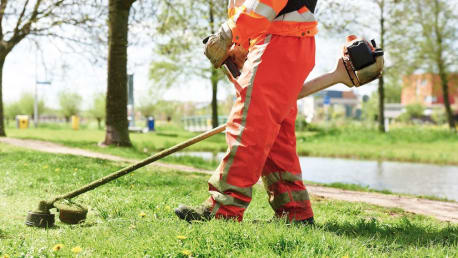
(69, 213)
(42, 217)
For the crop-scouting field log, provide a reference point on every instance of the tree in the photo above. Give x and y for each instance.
(11, 111)
(20, 19)
(147, 107)
(349, 18)
(70, 104)
(182, 26)
(97, 110)
(24, 106)
(432, 37)
(117, 126)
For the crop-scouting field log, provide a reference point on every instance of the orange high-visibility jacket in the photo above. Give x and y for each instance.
(249, 19)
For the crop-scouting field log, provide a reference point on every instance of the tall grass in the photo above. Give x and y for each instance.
(133, 217)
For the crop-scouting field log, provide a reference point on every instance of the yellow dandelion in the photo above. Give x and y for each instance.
(25, 164)
(345, 256)
(57, 169)
(45, 166)
(57, 247)
(168, 208)
(186, 252)
(142, 214)
(181, 237)
(76, 169)
(77, 249)
(5, 256)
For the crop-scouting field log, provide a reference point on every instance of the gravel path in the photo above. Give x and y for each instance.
(444, 211)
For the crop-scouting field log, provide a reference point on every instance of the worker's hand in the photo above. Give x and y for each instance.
(238, 55)
(218, 45)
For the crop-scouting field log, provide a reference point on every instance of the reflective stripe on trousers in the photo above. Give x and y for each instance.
(260, 131)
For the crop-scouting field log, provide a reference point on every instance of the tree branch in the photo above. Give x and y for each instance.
(21, 16)
(3, 5)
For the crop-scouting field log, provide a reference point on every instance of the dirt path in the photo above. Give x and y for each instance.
(60, 149)
(444, 211)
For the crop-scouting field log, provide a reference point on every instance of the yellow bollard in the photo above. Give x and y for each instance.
(75, 123)
(22, 122)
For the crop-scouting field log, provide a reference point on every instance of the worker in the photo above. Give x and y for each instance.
(272, 42)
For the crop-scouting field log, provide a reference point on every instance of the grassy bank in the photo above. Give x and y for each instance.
(133, 217)
(412, 144)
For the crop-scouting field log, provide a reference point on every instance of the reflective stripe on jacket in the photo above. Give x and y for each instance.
(250, 19)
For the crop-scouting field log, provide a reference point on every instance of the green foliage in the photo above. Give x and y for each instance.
(12, 110)
(181, 28)
(430, 28)
(343, 228)
(412, 111)
(370, 108)
(439, 116)
(179, 51)
(24, 106)
(415, 110)
(164, 73)
(70, 104)
(393, 89)
(97, 109)
(147, 107)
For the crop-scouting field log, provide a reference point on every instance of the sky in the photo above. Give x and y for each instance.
(71, 72)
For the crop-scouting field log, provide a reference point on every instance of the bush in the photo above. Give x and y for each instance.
(413, 111)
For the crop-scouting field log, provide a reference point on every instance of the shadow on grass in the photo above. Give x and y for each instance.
(403, 232)
(2, 234)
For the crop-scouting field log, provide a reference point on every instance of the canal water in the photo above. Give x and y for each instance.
(398, 177)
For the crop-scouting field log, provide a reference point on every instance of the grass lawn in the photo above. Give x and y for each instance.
(413, 144)
(133, 217)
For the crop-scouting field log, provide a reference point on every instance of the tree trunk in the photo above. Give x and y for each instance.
(117, 131)
(448, 109)
(2, 117)
(381, 105)
(214, 72)
(440, 65)
(381, 91)
(99, 121)
(214, 80)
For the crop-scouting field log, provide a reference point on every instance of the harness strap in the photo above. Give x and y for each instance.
(294, 5)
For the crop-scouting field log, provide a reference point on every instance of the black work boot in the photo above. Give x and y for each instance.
(199, 213)
(307, 222)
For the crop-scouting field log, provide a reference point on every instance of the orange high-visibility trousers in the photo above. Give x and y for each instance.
(261, 131)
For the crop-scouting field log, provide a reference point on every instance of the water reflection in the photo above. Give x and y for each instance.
(413, 178)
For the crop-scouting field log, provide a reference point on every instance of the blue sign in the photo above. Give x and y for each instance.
(327, 100)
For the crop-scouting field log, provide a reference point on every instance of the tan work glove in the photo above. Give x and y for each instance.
(238, 55)
(218, 45)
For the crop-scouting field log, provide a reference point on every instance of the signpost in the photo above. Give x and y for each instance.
(130, 100)
(35, 102)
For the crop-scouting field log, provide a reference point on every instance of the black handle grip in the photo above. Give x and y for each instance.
(232, 67)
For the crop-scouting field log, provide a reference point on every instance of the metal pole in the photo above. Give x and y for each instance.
(35, 102)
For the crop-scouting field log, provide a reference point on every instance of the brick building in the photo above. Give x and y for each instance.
(427, 90)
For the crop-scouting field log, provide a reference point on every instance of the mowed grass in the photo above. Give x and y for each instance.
(133, 217)
(413, 144)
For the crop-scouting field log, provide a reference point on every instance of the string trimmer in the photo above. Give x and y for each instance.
(360, 64)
